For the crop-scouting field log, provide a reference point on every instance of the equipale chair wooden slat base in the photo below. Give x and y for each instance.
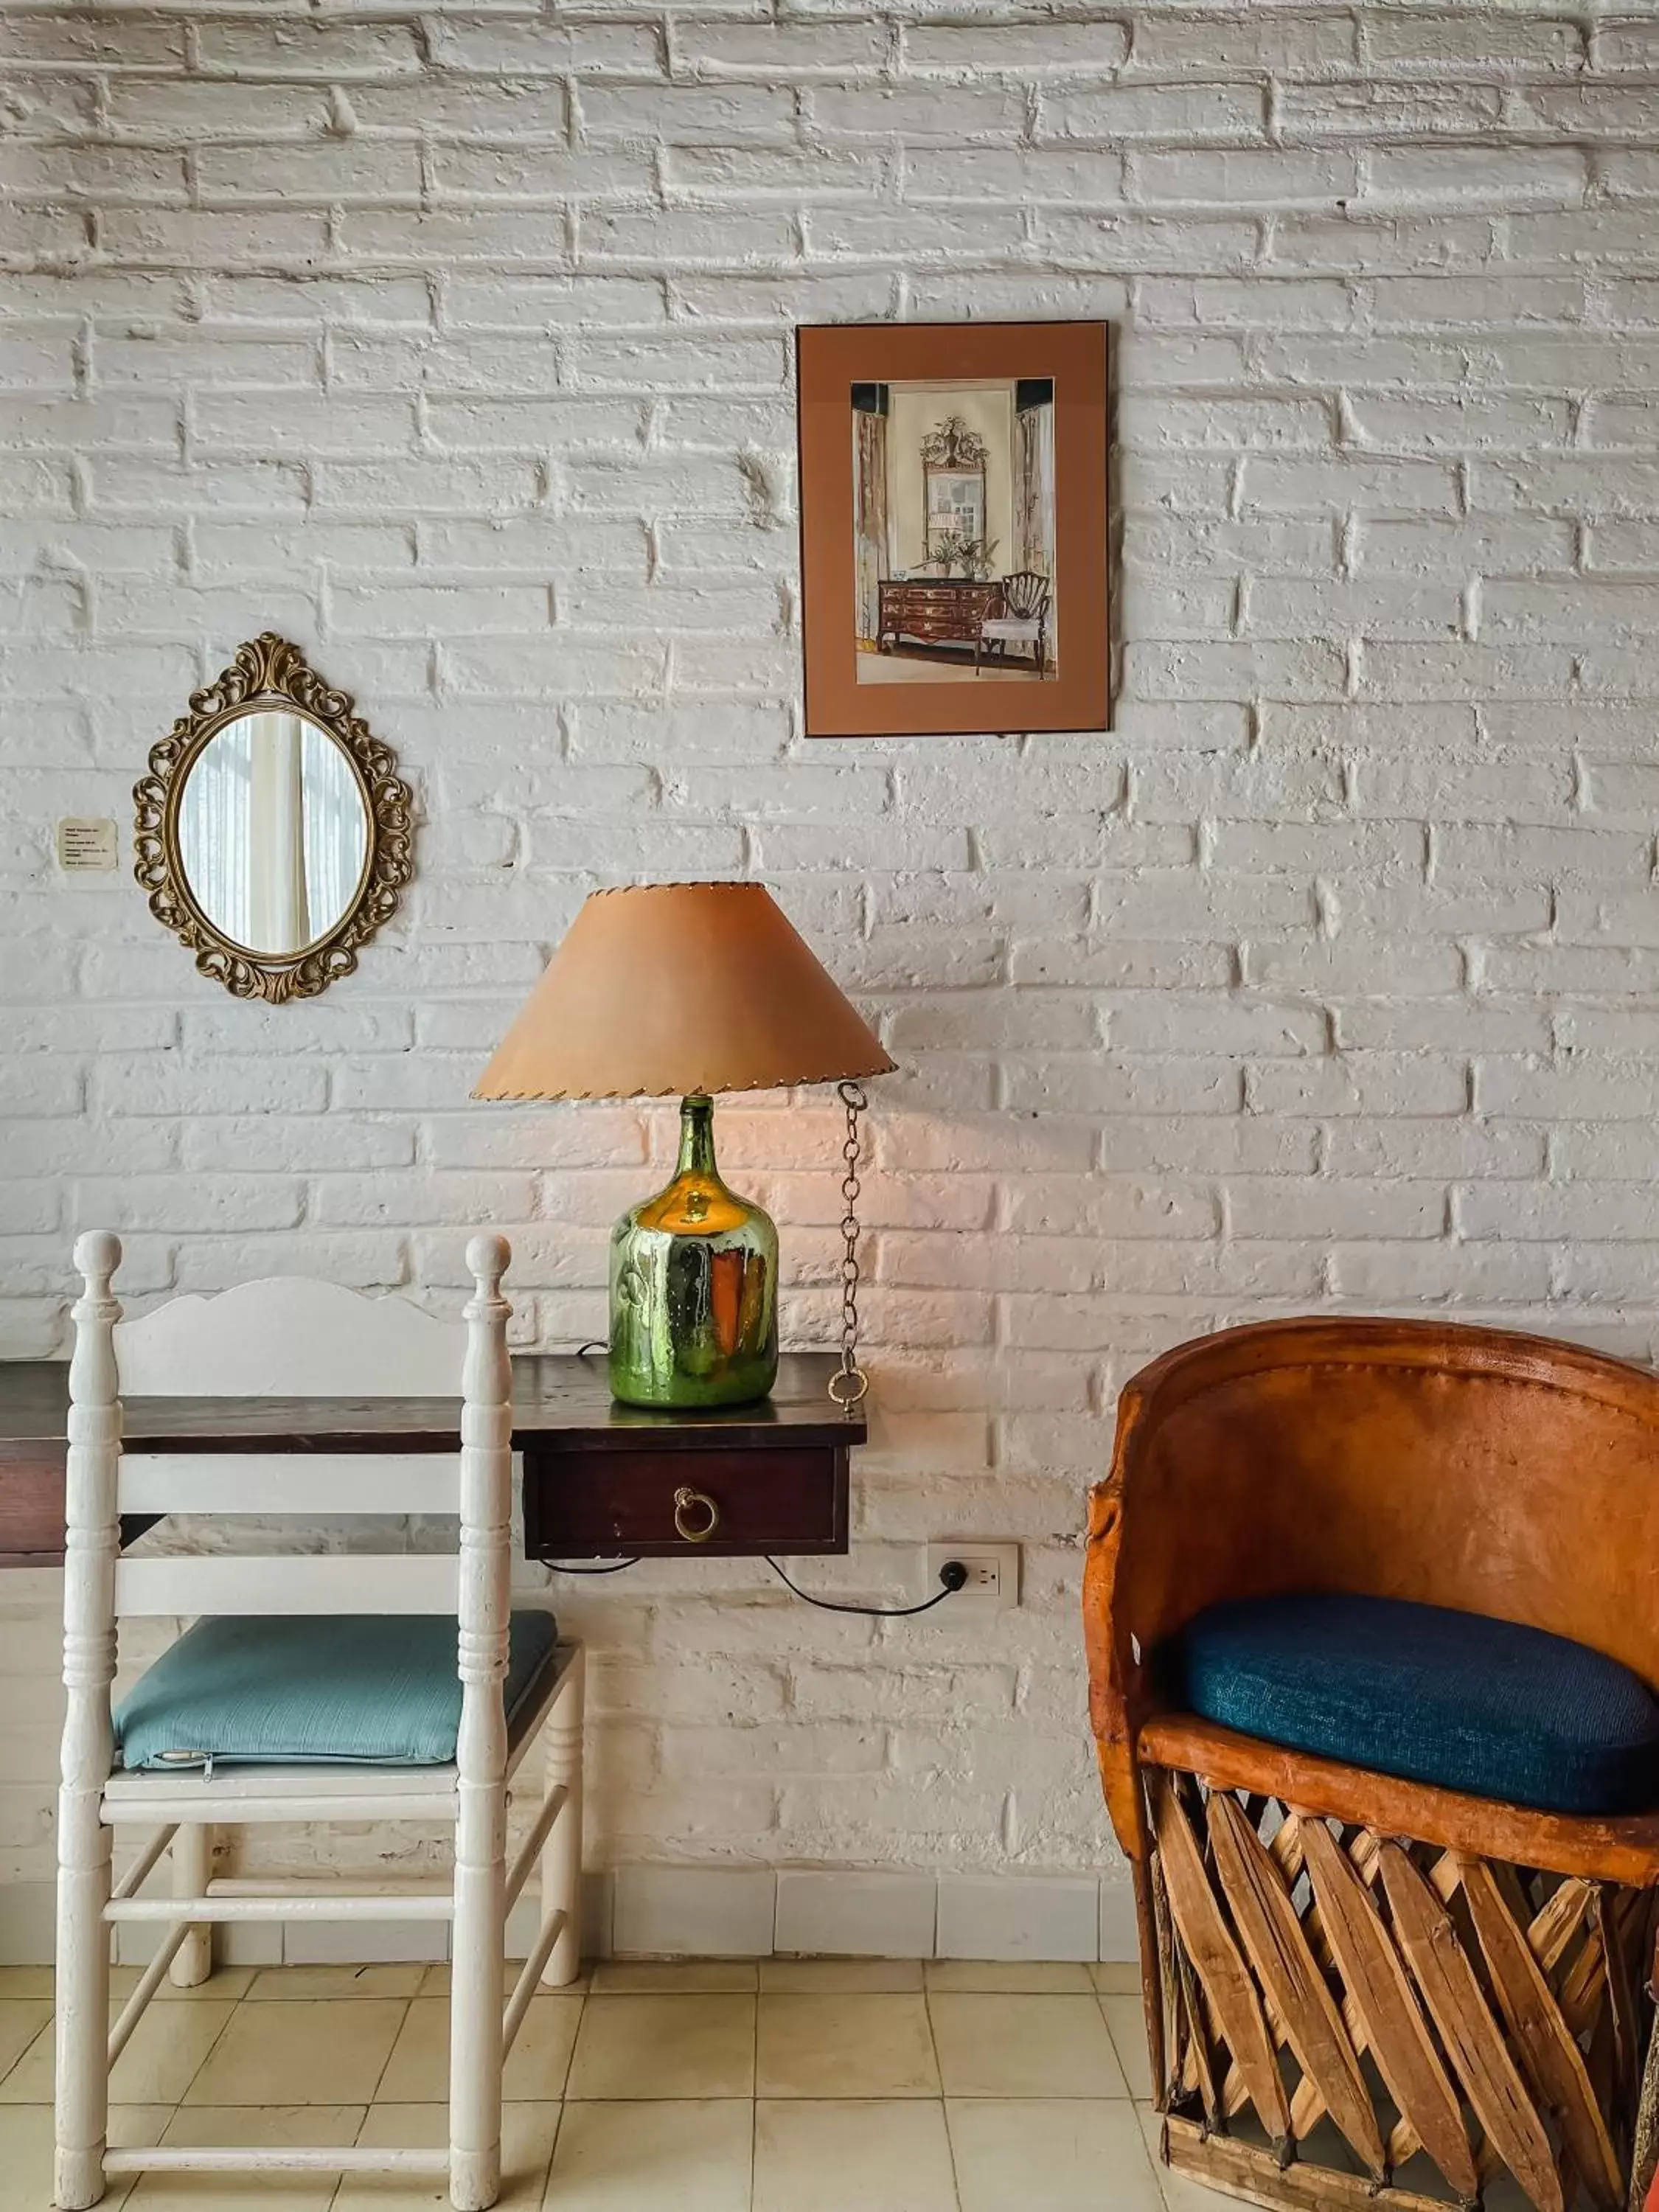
(1425, 2019)
(1361, 1991)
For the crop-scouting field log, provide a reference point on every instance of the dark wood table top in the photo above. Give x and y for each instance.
(558, 1398)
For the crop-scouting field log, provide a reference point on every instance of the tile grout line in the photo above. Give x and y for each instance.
(754, 2137)
(943, 2108)
(754, 2098)
(224, 2029)
(581, 1995)
(373, 2093)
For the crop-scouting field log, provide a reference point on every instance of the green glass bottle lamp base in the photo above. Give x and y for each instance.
(694, 1283)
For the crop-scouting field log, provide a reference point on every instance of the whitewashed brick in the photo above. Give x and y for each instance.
(290, 47)
(1472, 672)
(1323, 1207)
(1372, 113)
(1342, 484)
(1232, 113)
(1402, 1276)
(1402, 1146)
(1083, 49)
(1486, 44)
(1294, 607)
(922, 115)
(354, 170)
(1504, 422)
(1245, 42)
(1448, 1026)
(1602, 112)
(1361, 1083)
(1420, 174)
(1517, 545)
(1265, 176)
(179, 1205)
(1360, 242)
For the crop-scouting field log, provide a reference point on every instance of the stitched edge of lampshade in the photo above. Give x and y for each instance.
(676, 1090)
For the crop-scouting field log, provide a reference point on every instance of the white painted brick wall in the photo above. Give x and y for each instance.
(456, 345)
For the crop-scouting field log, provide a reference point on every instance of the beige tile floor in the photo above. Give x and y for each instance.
(813, 2085)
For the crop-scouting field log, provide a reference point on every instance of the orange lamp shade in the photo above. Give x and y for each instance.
(666, 990)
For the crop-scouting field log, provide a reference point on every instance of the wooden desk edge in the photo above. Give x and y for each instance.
(32, 1467)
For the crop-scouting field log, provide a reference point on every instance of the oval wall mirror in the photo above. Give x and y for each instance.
(272, 831)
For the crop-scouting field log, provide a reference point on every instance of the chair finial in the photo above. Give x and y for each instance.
(487, 1258)
(97, 1255)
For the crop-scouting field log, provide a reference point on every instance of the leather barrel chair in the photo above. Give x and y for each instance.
(1367, 1977)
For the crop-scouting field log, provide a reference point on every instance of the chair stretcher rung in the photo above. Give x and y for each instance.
(394, 1905)
(530, 1974)
(147, 1859)
(251, 2158)
(551, 1806)
(135, 2006)
(329, 1885)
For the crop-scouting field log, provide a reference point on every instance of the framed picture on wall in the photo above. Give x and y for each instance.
(954, 523)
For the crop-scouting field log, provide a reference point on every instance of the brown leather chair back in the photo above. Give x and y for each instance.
(1495, 1474)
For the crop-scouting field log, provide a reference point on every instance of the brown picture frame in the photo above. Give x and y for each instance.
(831, 360)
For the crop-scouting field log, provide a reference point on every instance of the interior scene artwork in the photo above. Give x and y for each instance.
(953, 526)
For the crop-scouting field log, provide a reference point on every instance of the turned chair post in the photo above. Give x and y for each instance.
(476, 1991)
(562, 1855)
(192, 1854)
(92, 1540)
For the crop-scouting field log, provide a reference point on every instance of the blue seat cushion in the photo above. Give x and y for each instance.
(366, 1689)
(1452, 1699)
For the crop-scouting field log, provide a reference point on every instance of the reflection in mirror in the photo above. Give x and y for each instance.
(272, 831)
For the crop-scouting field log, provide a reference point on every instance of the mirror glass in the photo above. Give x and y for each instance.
(272, 831)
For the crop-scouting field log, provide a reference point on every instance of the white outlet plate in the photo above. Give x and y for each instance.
(993, 1583)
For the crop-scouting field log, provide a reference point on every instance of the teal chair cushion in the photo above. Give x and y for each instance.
(1456, 1700)
(370, 1689)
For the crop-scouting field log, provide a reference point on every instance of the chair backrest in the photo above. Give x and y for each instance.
(292, 1339)
(289, 1337)
(1491, 1473)
(1025, 594)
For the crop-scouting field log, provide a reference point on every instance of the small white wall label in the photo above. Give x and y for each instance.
(85, 845)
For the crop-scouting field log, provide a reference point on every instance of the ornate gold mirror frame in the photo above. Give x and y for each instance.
(271, 673)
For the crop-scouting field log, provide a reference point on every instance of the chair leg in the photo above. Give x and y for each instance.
(476, 1998)
(192, 1869)
(82, 2094)
(562, 1856)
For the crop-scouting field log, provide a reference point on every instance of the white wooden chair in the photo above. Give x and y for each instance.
(291, 1339)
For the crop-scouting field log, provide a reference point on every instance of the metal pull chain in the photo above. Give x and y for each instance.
(850, 1384)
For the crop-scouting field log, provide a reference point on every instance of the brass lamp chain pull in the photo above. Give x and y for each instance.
(849, 1384)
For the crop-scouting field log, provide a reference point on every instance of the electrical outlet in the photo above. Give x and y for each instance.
(993, 1583)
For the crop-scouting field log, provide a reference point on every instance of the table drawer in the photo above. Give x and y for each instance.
(599, 1504)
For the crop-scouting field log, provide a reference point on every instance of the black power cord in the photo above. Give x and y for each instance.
(954, 1575)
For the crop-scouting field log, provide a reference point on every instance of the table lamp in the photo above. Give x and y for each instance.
(687, 989)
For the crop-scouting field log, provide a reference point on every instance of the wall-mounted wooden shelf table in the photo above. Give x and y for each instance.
(600, 1479)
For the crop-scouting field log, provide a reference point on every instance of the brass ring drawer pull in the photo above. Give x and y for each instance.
(688, 1502)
